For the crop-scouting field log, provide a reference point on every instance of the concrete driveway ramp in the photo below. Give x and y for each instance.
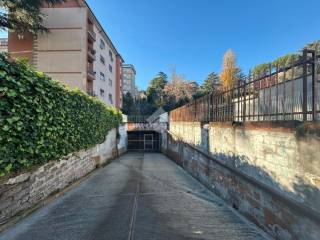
(138, 196)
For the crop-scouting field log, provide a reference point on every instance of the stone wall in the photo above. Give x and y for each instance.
(269, 172)
(26, 190)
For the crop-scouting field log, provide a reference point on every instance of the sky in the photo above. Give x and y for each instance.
(193, 35)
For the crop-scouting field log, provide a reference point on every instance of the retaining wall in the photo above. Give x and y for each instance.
(270, 172)
(22, 192)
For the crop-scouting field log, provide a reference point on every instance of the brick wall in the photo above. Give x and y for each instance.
(269, 172)
(24, 191)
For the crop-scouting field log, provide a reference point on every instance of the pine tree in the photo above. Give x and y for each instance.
(211, 83)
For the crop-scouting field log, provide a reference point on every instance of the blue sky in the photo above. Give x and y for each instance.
(193, 35)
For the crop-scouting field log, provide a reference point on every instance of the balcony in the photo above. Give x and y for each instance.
(91, 35)
(91, 74)
(91, 55)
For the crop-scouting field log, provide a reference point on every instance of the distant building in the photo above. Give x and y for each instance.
(129, 77)
(77, 51)
(3, 45)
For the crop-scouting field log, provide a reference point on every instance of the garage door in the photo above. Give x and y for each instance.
(147, 141)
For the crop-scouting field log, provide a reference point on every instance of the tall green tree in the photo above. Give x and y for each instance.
(128, 105)
(155, 91)
(24, 15)
(211, 83)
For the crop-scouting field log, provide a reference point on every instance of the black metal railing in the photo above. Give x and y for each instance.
(284, 94)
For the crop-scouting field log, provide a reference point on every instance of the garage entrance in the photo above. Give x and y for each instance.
(146, 141)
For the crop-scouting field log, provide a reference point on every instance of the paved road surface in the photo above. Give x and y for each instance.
(141, 197)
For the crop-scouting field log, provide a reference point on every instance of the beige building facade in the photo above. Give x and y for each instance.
(77, 51)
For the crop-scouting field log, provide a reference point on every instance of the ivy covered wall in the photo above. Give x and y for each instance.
(41, 120)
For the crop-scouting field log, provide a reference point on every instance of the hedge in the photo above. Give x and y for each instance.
(41, 120)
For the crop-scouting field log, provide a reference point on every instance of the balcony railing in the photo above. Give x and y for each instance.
(92, 54)
(92, 34)
(91, 74)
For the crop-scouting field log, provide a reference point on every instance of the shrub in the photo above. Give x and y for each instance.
(40, 120)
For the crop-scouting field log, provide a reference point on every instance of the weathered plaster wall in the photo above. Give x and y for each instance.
(123, 138)
(160, 127)
(24, 191)
(269, 172)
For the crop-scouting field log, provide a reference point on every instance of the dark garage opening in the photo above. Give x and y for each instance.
(146, 141)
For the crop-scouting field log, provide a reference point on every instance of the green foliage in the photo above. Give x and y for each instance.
(128, 104)
(313, 45)
(285, 61)
(211, 84)
(261, 70)
(140, 107)
(23, 15)
(40, 120)
(155, 92)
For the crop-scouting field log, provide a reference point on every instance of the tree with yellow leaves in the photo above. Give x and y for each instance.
(230, 70)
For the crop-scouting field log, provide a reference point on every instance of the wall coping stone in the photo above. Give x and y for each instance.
(19, 179)
(279, 126)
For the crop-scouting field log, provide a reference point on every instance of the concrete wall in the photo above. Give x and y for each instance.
(269, 172)
(24, 191)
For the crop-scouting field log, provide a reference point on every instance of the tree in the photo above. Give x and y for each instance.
(24, 15)
(313, 46)
(286, 60)
(261, 70)
(211, 84)
(179, 91)
(128, 106)
(230, 71)
(155, 92)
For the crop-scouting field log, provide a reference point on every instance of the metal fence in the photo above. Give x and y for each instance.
(284, 94)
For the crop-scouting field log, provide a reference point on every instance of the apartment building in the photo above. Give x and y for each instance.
(77, 51)
(3, 45)
(129, 76)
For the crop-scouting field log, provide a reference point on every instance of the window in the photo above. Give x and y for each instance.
(111, 56)
(110, 98)
(102, 59)
(101, 92)
(102, 77)
(110, 68)
(110, 82)
(102, 44)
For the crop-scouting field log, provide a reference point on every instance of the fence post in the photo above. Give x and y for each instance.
(314, 88)
(315, 97)
(238, 110)
(244, 101)
(305, 86)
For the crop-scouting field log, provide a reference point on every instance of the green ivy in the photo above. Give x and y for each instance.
(41, 120)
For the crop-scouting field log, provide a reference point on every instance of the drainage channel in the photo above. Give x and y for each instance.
(134, 212)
